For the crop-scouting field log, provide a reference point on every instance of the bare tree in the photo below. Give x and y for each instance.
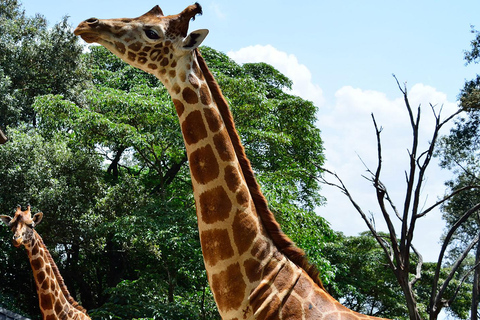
(398, 246)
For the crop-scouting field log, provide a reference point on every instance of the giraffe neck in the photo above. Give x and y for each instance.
(253, 269)
(54, 299)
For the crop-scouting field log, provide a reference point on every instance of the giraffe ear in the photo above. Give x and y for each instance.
(6, 219)
(37, 218)
(194, 39)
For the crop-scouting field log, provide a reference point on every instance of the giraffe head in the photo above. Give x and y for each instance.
(152, 42)
(22, 225)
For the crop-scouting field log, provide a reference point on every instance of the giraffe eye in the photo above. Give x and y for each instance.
(151, 34)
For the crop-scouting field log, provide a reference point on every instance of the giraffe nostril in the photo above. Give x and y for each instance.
(92, 21)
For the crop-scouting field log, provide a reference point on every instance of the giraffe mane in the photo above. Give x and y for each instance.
(279, 238)
(58, 276)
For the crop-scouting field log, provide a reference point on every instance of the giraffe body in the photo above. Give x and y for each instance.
(254, 270)
(54, 299)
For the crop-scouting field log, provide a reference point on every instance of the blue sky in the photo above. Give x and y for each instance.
(341, 55)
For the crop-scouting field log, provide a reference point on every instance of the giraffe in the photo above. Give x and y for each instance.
(54, 299)
(254, 270)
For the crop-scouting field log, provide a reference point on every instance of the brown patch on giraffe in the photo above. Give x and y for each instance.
(172, 73)
(142, 60)
(213, 118)
(131, 56)
(46, 301)
(58, 307)
(291, 308)
(176, 88)
(174, 64)
(243, 197)
(35, 250)
(223, 146)
(253, 269)
(163, 72)
(136, 46)
(259, 294)
(260, 249)
(164, 62)
(120, 47)
(189, 96)
(41, 276)
(166, 50)
(205, 95)
(244, 231)
(37, 263)
(147, 49)
(193, 128)
(229, 288)
(215, 205)
(283, 279)
(204, 165)
(183, 76)
(216, 246)
(51, 317)
(193, 81)
(152, 66)
(160, 45)
(232, 178)
(178, 106)
(46, 285)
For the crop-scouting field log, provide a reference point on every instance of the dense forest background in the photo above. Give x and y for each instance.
(95, 144)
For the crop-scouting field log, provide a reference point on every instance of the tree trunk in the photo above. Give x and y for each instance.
(413, 313)
(3, 137)
(475, 287)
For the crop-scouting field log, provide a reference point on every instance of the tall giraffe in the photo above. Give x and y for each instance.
(254, 270)
(54, 299)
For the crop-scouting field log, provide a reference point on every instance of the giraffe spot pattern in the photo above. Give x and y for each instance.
(283, 279)
(189, 96)
(229, 288)
(178, 106)
(37, 263)
(252, 269)
(131, 56)
(172, 73)
(41, 276)
(223, 146)
(46, 302)
(193, 81)
(176, 88)
(213, 118)
(215, 205)
(272, 311)
(232, 178)
(164, 62)
(120, 47)
(35, 250)
(155, 54)
(204, 165)
(216, 246)
(244, 231)
(135, 46)
(291, 308)
(260, 249)
(197, 71)
(205, 96)
(193, 128)
(152, 66)
(243, 197)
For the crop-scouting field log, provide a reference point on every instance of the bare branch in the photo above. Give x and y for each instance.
(445, 199)
(418, 273)
(454, 269)
(434, 297)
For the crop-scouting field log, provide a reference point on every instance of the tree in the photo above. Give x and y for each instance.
(459, 152)
(397, 246)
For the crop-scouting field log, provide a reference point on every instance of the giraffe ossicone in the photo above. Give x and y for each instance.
(254, 270)
(54, 299)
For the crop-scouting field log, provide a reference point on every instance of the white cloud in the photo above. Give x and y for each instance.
(285, 63)
(347, 131)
